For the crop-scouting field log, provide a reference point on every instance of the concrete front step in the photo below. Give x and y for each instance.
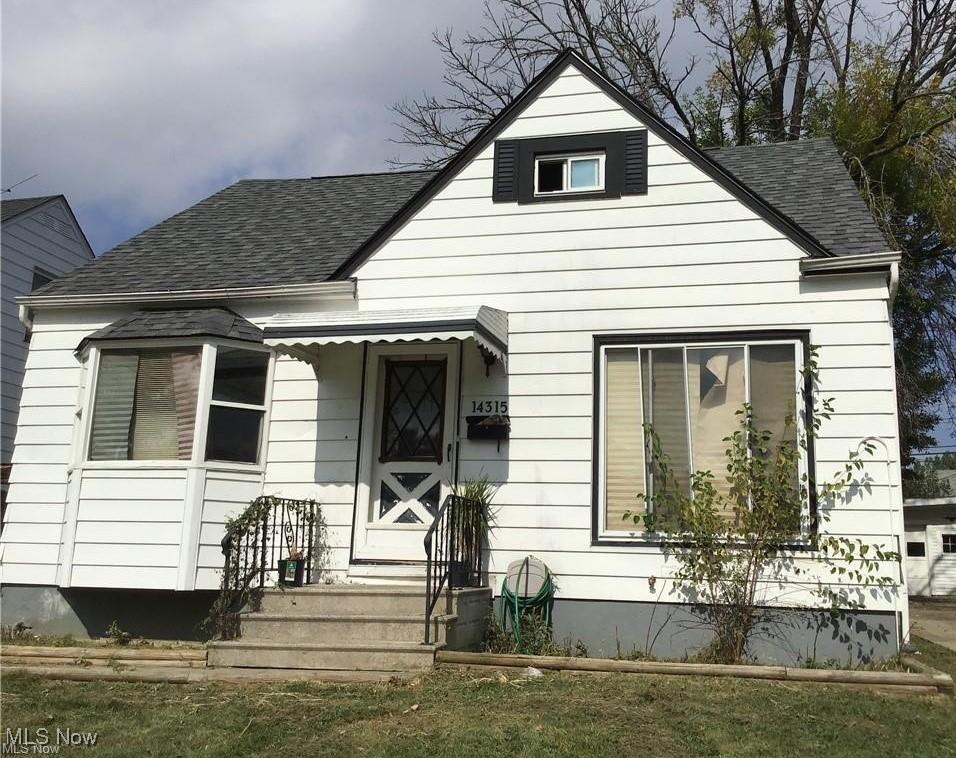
(346, 600)
(329, 629)
(357, 656)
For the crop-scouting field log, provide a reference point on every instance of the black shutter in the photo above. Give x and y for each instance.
(635, 163)
(506, 171)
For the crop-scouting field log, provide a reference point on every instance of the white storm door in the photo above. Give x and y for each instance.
(408, 446)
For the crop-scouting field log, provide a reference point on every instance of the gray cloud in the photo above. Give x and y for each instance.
(135, 110)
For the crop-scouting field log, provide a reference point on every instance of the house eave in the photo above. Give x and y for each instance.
(850, 264)
(336, 290)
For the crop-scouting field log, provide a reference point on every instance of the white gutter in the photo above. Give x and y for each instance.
(855, 264)
(847, 264)
(338, 290)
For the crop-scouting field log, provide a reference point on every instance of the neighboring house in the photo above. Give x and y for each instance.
(40, 240)
(931, 545)
(329, 338)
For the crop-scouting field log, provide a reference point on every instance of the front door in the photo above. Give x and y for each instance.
(408, 447)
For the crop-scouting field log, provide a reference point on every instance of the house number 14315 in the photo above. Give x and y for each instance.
(496, 407)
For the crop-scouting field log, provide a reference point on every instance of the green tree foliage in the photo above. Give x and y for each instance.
(901, 140)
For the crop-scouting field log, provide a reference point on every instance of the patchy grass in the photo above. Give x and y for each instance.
(937, 656)
(452, 713)
(46, 640)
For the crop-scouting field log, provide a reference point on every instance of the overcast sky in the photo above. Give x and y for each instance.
(136, 109)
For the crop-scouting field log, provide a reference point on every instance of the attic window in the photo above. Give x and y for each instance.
(555, 174)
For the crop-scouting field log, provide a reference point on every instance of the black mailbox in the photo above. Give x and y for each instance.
(488, 427)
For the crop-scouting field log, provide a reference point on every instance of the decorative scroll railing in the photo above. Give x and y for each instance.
(271, 530)
(452, 551)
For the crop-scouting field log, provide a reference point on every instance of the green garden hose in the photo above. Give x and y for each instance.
(517, 605)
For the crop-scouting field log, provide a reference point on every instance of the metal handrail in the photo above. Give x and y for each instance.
(277, 526)
(452, 551)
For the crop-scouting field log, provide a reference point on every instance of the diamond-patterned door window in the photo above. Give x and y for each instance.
(430, 499)
(408, 517)
(387, 500)
(410, 480)
(413, 411)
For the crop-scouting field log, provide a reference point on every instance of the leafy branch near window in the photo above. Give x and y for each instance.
(731, 546)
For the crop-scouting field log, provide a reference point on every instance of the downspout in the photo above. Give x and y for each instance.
(893, 283)
(896, 493)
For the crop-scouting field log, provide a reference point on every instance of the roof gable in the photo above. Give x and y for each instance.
(498, 127)
(10, 209)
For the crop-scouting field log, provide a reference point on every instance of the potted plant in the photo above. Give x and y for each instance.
(471, 526)
(292, 569)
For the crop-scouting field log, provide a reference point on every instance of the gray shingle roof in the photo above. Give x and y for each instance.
(295, 231)
(178, 322)
(807, 181)
(251, 234)
(16, 206)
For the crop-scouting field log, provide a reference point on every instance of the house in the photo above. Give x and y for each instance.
(40, 239)
(930, 526)
(347, 338)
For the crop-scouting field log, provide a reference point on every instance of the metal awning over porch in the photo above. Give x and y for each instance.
(487, 326)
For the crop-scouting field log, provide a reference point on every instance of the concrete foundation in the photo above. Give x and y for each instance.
(675, 632)
(666, 631)
(85, 613)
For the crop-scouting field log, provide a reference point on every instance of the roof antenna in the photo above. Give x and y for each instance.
(22, 181)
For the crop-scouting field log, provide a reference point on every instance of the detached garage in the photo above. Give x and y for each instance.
(931, 546)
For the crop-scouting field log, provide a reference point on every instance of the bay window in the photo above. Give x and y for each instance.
(689, 393)
(148, 403)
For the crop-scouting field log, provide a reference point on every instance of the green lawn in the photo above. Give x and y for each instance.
(937, 656)
(472, 714)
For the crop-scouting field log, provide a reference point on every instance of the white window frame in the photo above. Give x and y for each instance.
(203, 402)
(640, 535)
(569, 158)
(264, 408)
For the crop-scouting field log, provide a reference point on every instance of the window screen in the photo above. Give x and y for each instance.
(916, 549)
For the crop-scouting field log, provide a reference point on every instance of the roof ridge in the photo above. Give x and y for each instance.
(341, 176)
(800, 141)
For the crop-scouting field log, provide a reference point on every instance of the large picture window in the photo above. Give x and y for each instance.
(237, 409)
(689, 394)
(145, 405)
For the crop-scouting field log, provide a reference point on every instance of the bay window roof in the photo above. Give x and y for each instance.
(178, 322)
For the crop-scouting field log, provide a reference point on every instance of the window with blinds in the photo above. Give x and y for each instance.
(145, 405)
(690, 396)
